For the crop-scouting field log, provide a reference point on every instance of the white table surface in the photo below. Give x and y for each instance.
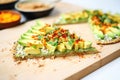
(111, 71)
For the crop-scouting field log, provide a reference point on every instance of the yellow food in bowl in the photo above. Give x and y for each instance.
(8, 16)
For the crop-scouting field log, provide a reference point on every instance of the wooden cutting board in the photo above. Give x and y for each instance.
(68, 68)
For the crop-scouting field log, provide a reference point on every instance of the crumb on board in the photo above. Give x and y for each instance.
(41, 65)
(19, 62)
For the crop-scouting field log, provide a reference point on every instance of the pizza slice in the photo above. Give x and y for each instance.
(44, 40)
(73, 17)
(105, 27)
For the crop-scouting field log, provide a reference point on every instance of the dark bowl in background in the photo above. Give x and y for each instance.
(34, 14)
(9, 5)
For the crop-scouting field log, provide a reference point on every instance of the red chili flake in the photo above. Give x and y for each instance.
(72, 35)
(62, 30)
(64, 35)
(33, 36)
(41, 65)
(80, 55)
(77, 40)
(29, 44)
(54, 35)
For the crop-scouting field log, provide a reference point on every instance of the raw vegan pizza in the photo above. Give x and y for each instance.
(44, 40)
(73, 17)
(105, 27)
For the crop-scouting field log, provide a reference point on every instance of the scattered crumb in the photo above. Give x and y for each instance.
(34, 63)
(54, 69)
(81, 55)
(99, 55)
(79, 61)
(2, 50)
(42, 58)
(41, 65)
(19, 62)
(15, 75)
(3, 61)
(94, 57)
(52, 57)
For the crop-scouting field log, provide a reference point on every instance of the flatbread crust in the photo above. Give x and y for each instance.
(109, 42)
(13, 50)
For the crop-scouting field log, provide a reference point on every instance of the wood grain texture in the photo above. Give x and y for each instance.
(68, 68)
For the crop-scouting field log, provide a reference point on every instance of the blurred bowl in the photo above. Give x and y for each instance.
(7, 4)
(34, 9)
(9, 18)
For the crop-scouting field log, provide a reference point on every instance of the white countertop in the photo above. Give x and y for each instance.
(111, 71)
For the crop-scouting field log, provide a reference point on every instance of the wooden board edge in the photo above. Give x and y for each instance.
(95, 66)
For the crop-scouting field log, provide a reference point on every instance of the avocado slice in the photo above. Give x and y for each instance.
(115, 31)
(119, 25)
(108, 21)
(69, 44)
(87, 44)
(26, 37)
(39, 23)
(99, 34)
(61, 47)
(29, 34)
(76, 46)
(31, 50)
(48, 29)
(81, 44)
(110, 34)
(51, 48)
(27, 42)
(37, 32)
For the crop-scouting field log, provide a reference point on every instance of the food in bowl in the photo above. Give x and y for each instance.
(34, 9)
(34, 6)
(6, 1)
(9, 18)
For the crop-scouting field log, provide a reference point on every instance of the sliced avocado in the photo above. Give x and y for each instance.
(81, 44)
(99, 34)
(87, 44)
(49, 29)
(115, 31)
(26, 37)
(110, 34)
(37, 27)
(96, 27)
(31, 50)
(61, 47)
(104, 16)
(119, 25)
(108, 21)
(27, 42)
(40, 23)
(29, 34)
(37, 32)
(53, 43)
(76, 46)
(51, 48)
(69, 44)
